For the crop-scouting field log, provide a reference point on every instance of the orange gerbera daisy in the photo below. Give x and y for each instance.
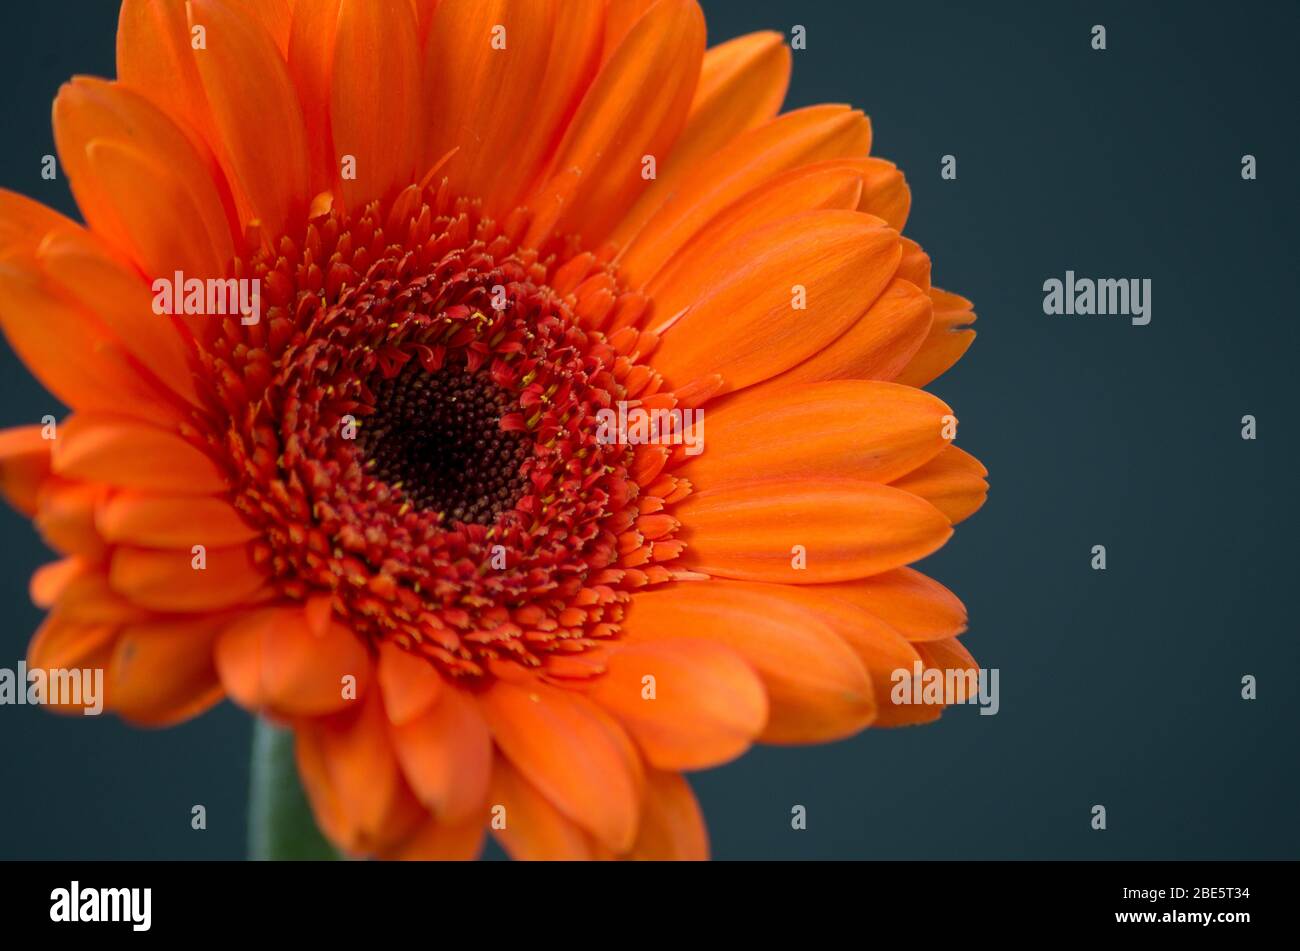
(377, 506)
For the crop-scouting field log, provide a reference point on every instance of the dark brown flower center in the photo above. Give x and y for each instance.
(437, 437)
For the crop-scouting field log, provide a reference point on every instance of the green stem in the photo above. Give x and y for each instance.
(280, 823)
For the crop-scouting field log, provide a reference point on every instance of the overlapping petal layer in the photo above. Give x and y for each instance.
(660, 237)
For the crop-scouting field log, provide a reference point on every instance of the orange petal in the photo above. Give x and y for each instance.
(817, 688)
(51, 581)
(789, 290)
(270, 659)
(352, 778)
(575, 48)
(636, 107)
(620, 15)
(876, 347)
(318, 784)
(837, 429)
(312, 35)
(374, 104)
(162, 672)
(672, 826)
(946, 342)
(124, 304)
(111, 321)
(915, 265)
(155, 57)
(446, 754)
(409, 683)
(463, 69)
(536, 85)
(528, 825)
(424, 11)
(140, 181)
(255, 114)
(65, 517)
(438, 841)
(951, 309)
(149, 194)
(953, 482)
(169, 580)
(70, 351)
(819, 187)
(83, 594)
(947, 654)
(24, 465)
(131, 455)
(882, 650)
(742, 84)
(950, 658)
(705, 705)
(162, 521)
(572, 752)
(937, 356)
(884, 192)
(915, 605)
(274, 15)
(786, 142)
(911, 702)
(836, 528)
(25, 223)
(65, 645)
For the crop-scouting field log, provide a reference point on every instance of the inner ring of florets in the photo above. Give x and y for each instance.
(418, 548)
(416, 434)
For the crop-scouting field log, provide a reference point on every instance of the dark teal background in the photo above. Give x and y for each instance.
(1119, 687)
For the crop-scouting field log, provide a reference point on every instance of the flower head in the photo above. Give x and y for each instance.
(503, 395)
